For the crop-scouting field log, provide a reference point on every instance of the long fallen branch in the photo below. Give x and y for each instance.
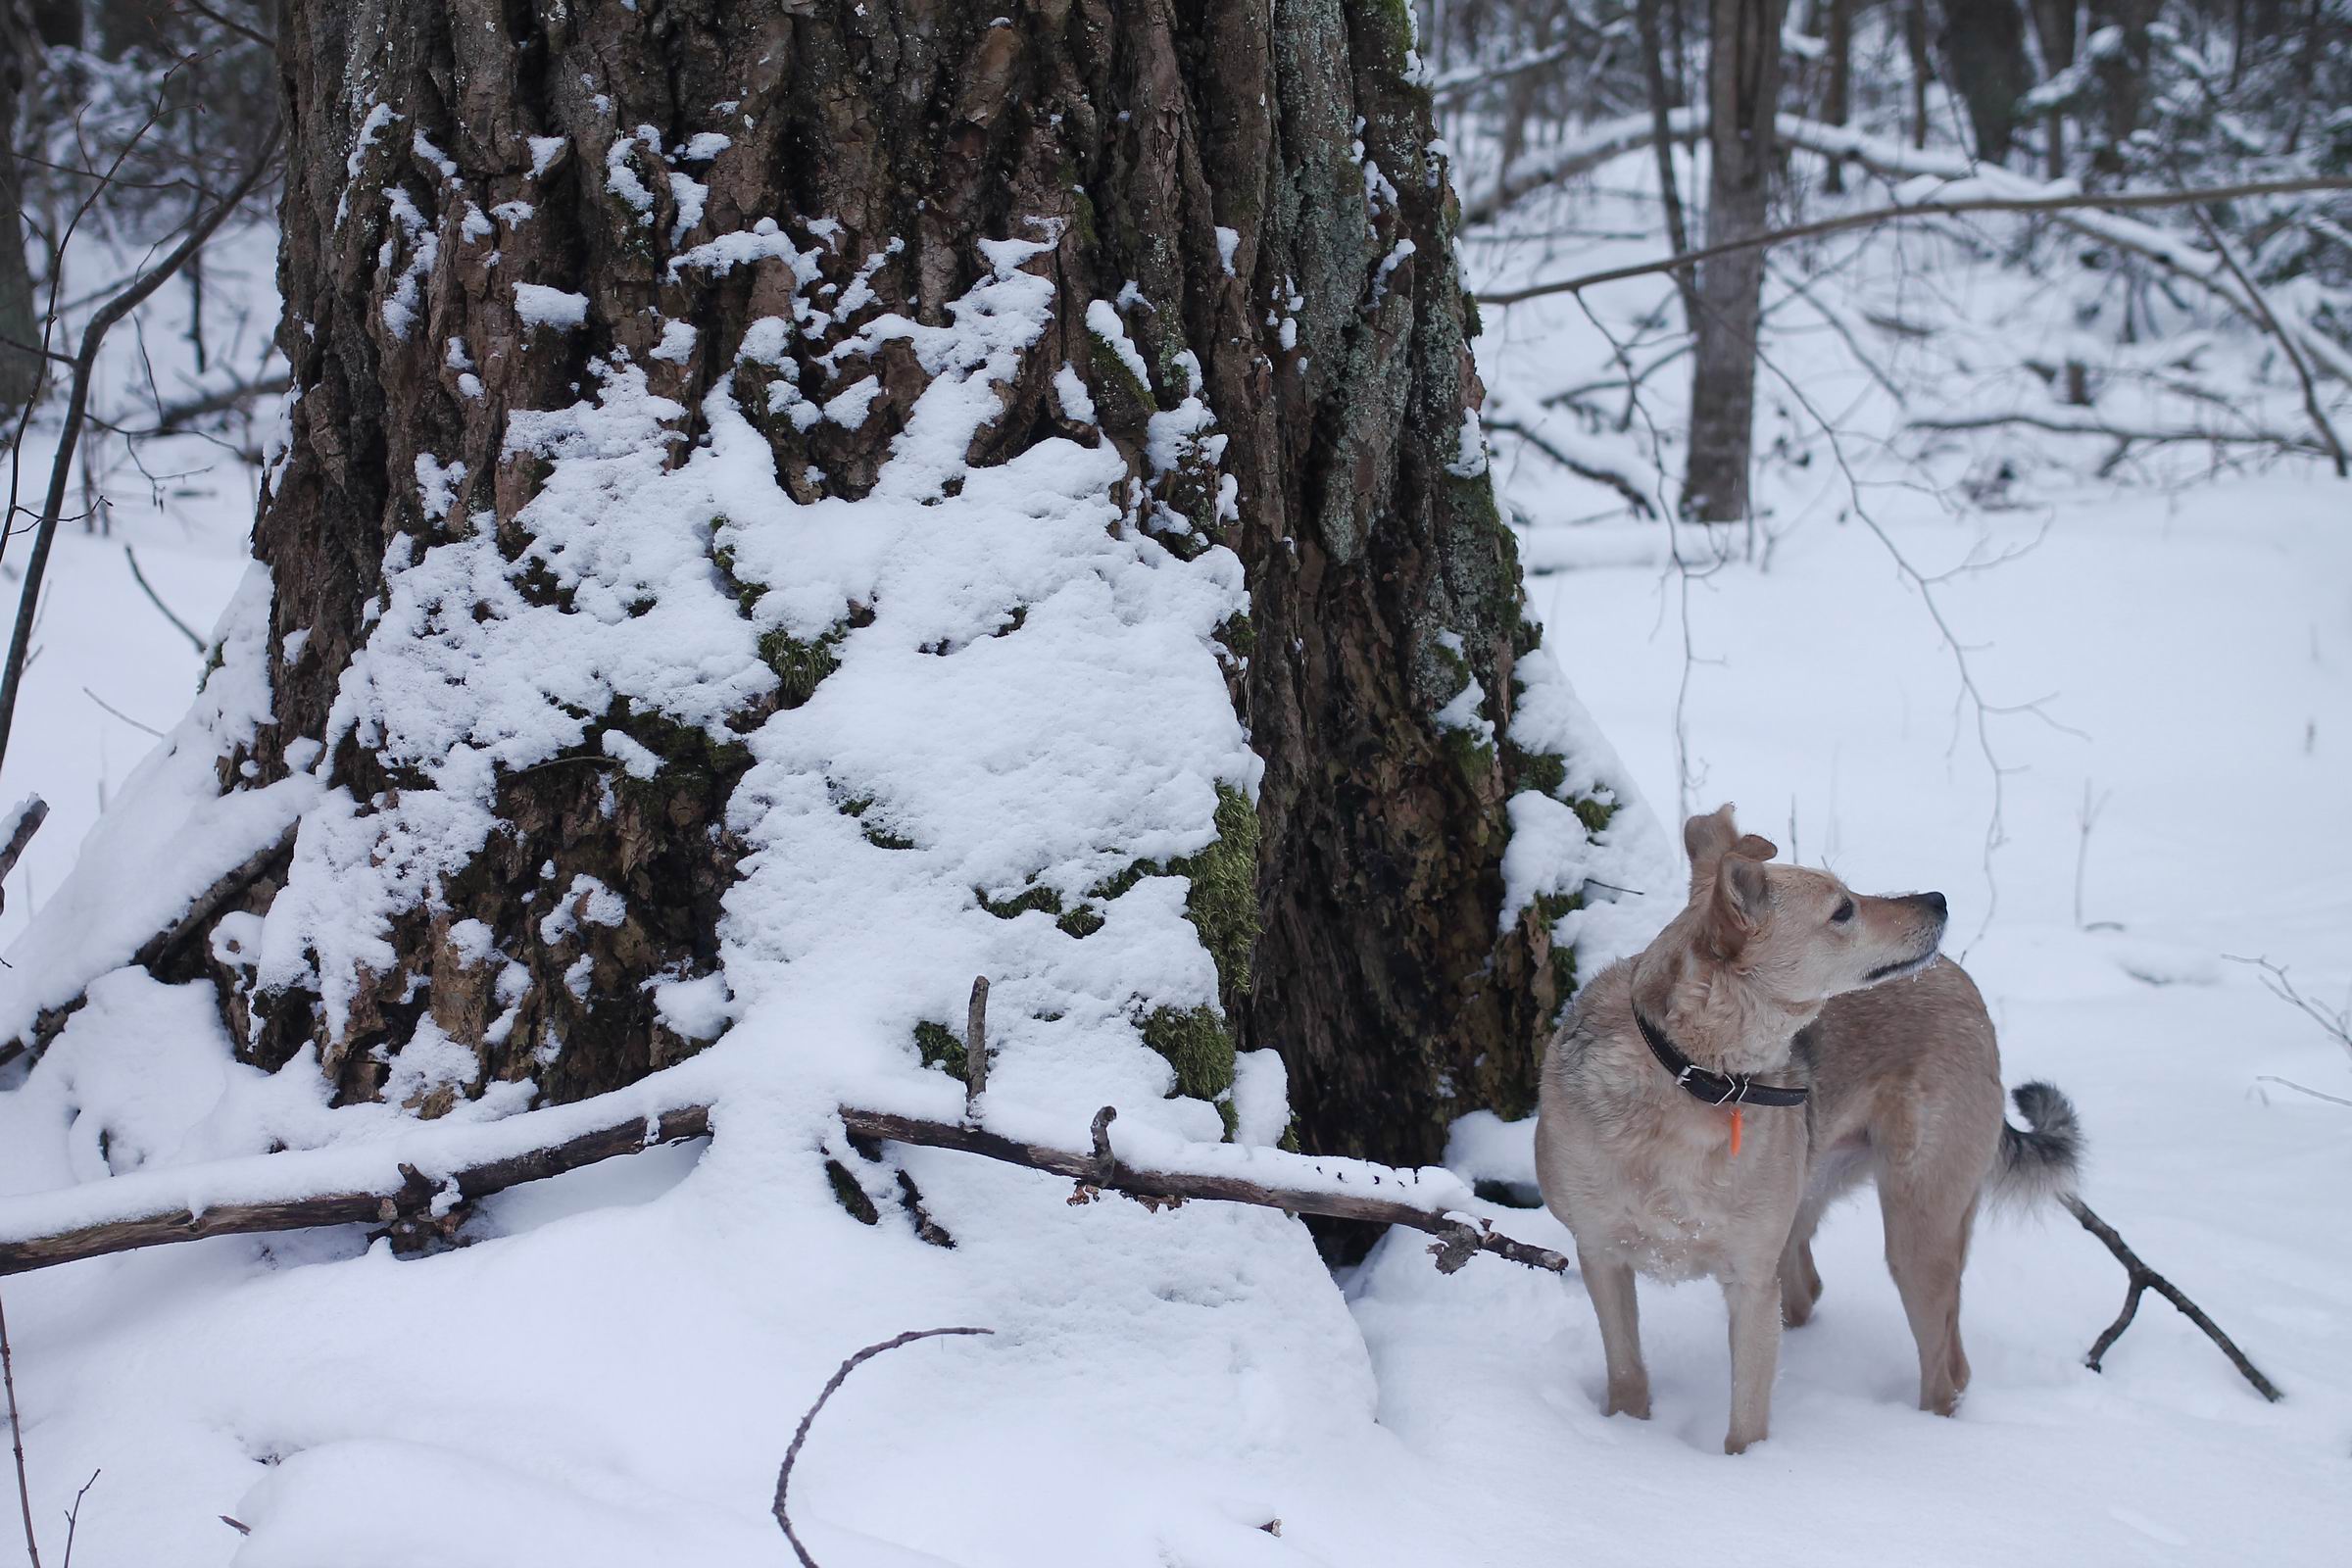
(2145, 1279)
(415, 1187)
(411, 1186)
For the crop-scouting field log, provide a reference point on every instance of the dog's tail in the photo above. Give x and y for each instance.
(2040, 1161)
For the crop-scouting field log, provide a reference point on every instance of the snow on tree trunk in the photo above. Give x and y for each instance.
(786, 508)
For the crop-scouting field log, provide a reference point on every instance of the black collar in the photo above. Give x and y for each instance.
(1713, 1088)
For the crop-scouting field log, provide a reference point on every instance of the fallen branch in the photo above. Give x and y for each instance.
(390, 1186)
(792, 1455)
(2145, 1279)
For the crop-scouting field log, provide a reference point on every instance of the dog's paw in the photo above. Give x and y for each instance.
(1635, 1404)
(1737, 1443)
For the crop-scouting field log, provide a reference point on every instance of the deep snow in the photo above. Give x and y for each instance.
(612, 1373)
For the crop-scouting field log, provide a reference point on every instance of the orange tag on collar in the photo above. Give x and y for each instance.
(1734, 1131)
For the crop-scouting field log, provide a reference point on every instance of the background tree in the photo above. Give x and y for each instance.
(1743, 93)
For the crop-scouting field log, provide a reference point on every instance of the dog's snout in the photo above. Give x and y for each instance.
(1936, 901)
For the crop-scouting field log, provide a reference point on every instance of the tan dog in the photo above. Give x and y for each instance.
(1781, 1040)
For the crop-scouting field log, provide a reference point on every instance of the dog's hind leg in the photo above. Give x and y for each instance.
(1755, 1313)
(1610, 1284)
(1927, 1243)
(1801, 1281)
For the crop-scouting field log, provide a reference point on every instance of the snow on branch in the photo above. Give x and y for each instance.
(414, 1182)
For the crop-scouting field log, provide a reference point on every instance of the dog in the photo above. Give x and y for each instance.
(1783, 1039)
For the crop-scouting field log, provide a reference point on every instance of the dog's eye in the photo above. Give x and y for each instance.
(1842, 914)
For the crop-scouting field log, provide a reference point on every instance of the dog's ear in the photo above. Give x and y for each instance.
(1740, 901)
(1754, 847)
(1707, 839)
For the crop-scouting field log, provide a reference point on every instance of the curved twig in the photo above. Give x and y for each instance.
(792, 1455)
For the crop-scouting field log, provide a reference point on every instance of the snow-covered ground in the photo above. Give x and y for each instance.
(612, 1373)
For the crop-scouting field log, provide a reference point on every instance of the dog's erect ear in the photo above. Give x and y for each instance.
(1738, 904)
(1754, 847)
(1707, 839)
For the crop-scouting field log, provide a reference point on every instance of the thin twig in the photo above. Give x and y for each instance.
(792, 1455)
(118, 713)
(15, 1435)
(2143, 1279)
(2338, 1024)
(73, 1516)
(2300, 1088)
(156, 598)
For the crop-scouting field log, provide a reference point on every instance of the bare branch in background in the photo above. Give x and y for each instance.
(2073, 202)
(78, 406)
(2336, 1023)
(2285, 339)
(154, 599)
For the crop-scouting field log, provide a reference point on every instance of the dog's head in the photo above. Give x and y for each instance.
(1799, 935)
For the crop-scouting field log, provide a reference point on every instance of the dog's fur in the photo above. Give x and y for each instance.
(1781, 973)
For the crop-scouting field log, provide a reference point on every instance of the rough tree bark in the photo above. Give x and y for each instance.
(1744, 91)
(1261, 173)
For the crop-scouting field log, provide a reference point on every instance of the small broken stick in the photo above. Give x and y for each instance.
(2145, 1279)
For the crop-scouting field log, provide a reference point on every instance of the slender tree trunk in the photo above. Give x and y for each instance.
(20, 371)
(1670, 189)
(1984, 44)
(2123, 78)
(1923, 70)
(1250, 187)
(1837, 106)
(2054, 25)
(1743, 84)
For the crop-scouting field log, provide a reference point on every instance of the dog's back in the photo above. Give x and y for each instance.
(1910, 1073)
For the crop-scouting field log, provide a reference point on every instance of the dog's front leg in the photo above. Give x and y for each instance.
(1610, 1284)
(1755, 1313)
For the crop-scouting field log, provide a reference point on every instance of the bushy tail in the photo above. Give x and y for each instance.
(2040, 1162)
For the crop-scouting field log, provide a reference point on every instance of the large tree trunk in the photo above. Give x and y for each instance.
(1744, 90)
(1984, 44)
(1243, 216)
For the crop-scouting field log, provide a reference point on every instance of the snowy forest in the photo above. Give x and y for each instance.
(884, 783)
